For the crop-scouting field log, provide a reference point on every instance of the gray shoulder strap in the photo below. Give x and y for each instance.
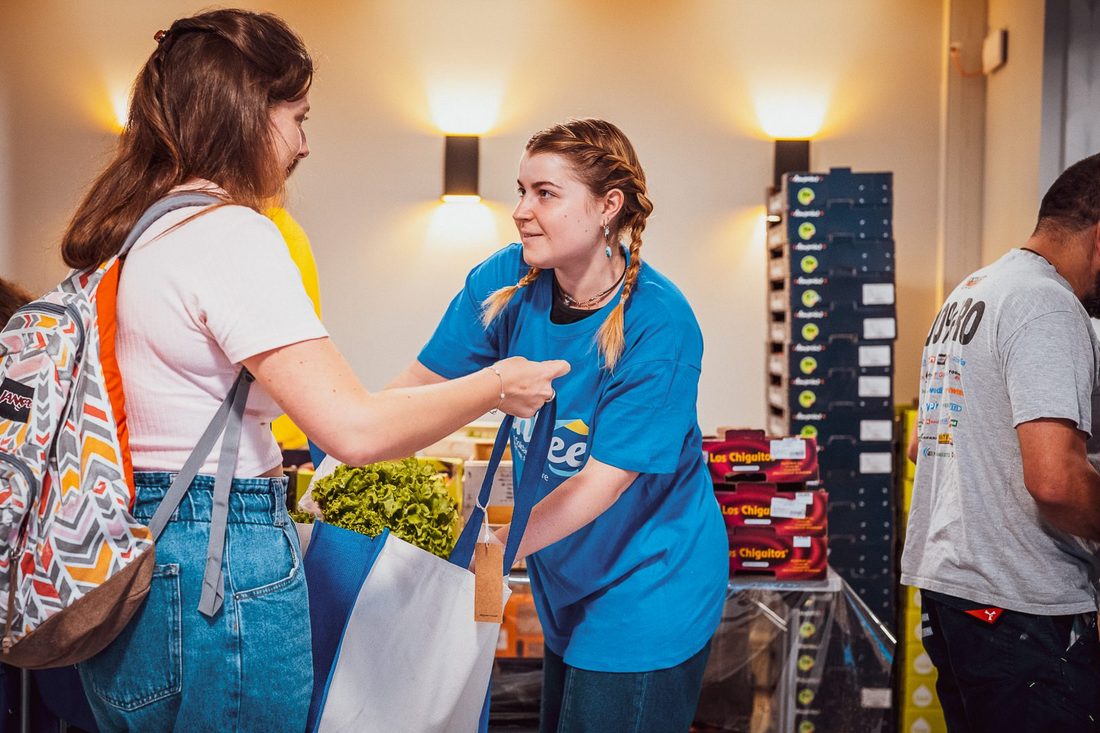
(160, 208)
(227, 420)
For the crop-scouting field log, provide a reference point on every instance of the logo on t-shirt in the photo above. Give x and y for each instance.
(957, 322)
(568, 446)
(15, 401)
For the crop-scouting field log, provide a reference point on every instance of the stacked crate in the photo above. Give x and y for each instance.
(776, 523)
(830, 358)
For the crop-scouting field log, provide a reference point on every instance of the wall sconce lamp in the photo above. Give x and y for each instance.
(791, 156)
(460, 168)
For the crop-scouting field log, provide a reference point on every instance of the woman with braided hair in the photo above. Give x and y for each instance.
(626, 549)
(222, 642)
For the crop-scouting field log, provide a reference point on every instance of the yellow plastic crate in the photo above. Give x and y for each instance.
(920, 720)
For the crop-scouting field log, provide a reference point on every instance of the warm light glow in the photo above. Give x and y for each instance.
(120, 105)
(464, 110)
(471, 225)
(775, 218)
(107, 105)
(790, 115)
(454, 198)
(758, 240)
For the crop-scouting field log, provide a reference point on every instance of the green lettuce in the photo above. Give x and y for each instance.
(406, 497)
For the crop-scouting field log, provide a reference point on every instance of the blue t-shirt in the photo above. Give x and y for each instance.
(641, 587)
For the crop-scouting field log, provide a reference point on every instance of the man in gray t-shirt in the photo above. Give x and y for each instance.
(1005, 503)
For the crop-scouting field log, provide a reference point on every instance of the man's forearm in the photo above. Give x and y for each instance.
(1075, 507)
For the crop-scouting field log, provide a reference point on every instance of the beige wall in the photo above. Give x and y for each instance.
(7, 265)
(687, 81)
(1014, 102)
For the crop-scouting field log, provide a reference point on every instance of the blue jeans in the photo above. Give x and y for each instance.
(580, 701)
(247, 668)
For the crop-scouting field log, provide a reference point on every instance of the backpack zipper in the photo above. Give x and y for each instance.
(61, 310)
(22, 468)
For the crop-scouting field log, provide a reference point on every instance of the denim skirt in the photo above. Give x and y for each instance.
(249, 667)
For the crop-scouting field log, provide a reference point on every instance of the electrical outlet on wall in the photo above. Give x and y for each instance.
(994, 50)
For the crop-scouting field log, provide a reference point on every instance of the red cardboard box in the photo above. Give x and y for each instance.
(749, 455)
(789, 513)
(762, 552)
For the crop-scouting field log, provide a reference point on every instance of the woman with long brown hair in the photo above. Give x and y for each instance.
(626, 549)
(219, 107)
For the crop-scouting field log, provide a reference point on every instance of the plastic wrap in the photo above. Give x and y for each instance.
(795, 656)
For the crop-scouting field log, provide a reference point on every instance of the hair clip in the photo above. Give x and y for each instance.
(160, 36)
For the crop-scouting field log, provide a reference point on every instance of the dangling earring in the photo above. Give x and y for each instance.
(606, 234)
(607, 251)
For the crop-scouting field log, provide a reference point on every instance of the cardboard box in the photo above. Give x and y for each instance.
(501, 499)
(749, 455)
(875, 294)
(870, 559)
(878, 592)
(864, 391)
(858, 457)
(845, 256)
(520, 632)
(840, 320)
(836, 418)
(789, 513)
(822, 357)
(759, 551)
(860, 517)
(464, 443)
(850, 485)
(839, 184)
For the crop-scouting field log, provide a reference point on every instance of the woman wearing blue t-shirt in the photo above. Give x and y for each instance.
(626, 549)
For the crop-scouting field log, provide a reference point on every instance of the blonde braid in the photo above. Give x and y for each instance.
(494, 304)
(611, 338)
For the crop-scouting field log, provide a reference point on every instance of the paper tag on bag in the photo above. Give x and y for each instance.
(488, 583)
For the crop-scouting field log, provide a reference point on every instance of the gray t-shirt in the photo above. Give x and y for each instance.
(1011, 344)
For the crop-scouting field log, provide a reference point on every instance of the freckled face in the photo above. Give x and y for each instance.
(557, 217)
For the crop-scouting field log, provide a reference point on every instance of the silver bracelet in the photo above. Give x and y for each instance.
(497, 372)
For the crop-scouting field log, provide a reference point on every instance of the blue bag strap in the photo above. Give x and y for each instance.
(526, 489)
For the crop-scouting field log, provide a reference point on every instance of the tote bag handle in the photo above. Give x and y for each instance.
(525, 493)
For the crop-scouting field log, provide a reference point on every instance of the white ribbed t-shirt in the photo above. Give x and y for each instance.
(192, 305)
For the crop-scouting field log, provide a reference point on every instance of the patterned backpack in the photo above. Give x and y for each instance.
(74, 564)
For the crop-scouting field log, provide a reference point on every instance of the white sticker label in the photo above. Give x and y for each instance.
(876, 430)
(874, 356)
(788, 449)
(879, 328)
(801, 541)
(787, 508)
(874, 386)
(879, 698)
(757, 521)
(806, 497)
(754, 564)
(878, 294)
(875, 463)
